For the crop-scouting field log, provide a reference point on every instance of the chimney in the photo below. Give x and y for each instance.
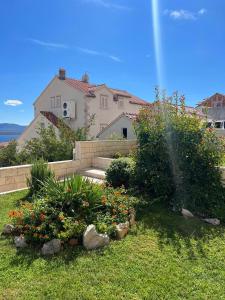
(85, 78)
(62, 74)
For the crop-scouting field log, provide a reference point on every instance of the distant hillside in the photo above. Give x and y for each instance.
(6, 128)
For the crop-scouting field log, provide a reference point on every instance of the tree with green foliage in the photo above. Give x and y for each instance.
(8, 155)
(47, 145)
(178, 158)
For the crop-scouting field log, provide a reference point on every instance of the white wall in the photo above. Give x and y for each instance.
(110, 114)
(59, 88)
(116, 128)
(31, 130)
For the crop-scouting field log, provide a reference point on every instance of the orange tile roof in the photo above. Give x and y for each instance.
(89, 89)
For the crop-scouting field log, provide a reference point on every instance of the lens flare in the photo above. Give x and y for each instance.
(157, 42)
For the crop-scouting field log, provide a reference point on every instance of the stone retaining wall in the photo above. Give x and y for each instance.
(13, 178)
(89, 150)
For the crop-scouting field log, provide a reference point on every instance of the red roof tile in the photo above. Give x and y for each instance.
(89, 89)
(51, 117)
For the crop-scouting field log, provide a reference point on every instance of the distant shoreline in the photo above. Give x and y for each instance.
(10, 133)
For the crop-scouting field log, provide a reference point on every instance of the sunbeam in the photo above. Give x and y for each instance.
(157, 42)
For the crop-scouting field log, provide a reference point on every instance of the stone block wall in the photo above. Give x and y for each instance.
(14, 178)
(89, 150)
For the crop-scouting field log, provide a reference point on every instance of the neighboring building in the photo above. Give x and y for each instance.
(75, 101)
(121, 127)
(213, 107)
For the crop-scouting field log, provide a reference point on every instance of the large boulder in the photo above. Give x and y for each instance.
(186, 213)
(8, 229)
(93, 240)
(214, 222)
(20, 242)
(51, 247)
(122, 230)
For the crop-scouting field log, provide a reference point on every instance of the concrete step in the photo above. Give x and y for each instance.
(101, 162)
(93, 173)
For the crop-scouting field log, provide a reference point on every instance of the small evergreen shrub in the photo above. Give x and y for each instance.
(39, 174)
(120, 172)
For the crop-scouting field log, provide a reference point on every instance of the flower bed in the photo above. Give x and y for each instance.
(64, 210)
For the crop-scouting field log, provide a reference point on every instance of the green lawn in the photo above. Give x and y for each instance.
(166, 257)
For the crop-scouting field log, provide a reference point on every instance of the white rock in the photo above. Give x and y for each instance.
(122, 230)
(186, 213)
(8, 229)
(51, 247)
(132, 219)
(20, 242)
(93, 240)
(214, 222)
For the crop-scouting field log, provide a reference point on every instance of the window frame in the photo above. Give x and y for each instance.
(104, 102)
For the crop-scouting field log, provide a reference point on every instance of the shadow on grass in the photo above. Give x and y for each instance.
(180, 233)
(68, 255)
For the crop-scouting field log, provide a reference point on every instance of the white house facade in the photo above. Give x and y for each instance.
(76, 101)
(122, 128)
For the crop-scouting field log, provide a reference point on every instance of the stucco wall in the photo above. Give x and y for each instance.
(31, 131)
(59, 88)
(106, 116)
(116, 128)
(13, 178)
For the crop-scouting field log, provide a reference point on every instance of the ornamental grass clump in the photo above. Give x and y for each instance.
(38, 175)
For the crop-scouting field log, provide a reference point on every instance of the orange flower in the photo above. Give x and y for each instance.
(61, 217)
(114, 223)
(125, 212)
(117, 193)
(69, 190)
(122, 206)
(113, 217)
(42, 217)
(104, 199)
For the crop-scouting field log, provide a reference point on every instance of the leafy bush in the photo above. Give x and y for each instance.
(68, 207)
(120, 172)
(178, 158)
(152, 165)
(47, 145)
(39, 174)
(8, 155)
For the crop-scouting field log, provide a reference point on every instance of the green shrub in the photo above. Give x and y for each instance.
(8, 155)
(177, 159)
(120, 172)
(39, 174)
(152, 167)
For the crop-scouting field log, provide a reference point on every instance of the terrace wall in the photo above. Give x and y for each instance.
(14, 178)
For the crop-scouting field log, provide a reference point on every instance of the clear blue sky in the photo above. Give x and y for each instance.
(112, 40)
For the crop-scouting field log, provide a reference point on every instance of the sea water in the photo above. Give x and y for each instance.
(7, 138)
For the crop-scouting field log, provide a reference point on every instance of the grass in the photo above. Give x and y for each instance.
(165, 257)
